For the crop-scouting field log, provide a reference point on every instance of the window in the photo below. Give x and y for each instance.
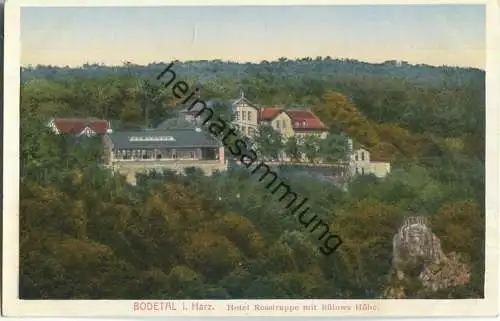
(243, 115)
(251, 131)
(357, 171)
(362, 171)
(362, 156)
(249, 116)
(151, 138)
(356, 157)
(278, 124)
(237, 115)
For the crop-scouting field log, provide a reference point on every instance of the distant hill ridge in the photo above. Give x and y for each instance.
(318, 69)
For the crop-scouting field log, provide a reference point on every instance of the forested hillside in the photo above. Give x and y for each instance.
(319, 68)
(85, 233)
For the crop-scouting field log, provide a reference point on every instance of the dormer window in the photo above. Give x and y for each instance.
(303, 123)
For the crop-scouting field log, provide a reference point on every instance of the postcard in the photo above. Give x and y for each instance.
(296, 158)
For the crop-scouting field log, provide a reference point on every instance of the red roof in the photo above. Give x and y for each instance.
(76, 126)
(305, 120)
(266, 114)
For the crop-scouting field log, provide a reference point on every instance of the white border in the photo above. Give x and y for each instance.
(14, 307)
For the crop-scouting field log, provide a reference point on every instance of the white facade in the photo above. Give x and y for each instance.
(380, 169)
(246, 119)
(53, 127)
(245, 116)
(360, 160)
(282, 123)
(360, 163)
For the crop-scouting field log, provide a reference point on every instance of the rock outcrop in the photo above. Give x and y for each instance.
(419, 262)
(450, 273)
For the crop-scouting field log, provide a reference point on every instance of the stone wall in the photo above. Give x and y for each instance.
(131, 168)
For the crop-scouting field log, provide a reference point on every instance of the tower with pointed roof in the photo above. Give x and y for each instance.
(246, 115)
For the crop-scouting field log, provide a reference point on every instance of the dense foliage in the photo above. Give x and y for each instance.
(86, 234)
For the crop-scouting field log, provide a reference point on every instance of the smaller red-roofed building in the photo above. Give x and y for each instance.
(269, 113)
(79, 126)
(278, 119)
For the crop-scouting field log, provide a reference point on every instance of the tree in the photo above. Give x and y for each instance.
(86, 233)
(292, 149)
(105, 93)
(413, 189)
(337, 109)
(131, 116)
(462, 227)
(222, 110)
(334, 148)
(366, 253)
(311, 147)
(213, 254)
(183, 283)
(269, 142)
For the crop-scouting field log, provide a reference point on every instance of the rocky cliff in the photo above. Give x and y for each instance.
(420, 266)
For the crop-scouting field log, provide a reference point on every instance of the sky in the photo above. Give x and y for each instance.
(430, 34)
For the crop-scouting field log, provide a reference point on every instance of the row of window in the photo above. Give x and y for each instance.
(151, 139)
(356, 157)
(302, 134)
(157, 154)
(362, 171)
(245, 115)
(280, 124)
(300, 123)
(250, 131)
